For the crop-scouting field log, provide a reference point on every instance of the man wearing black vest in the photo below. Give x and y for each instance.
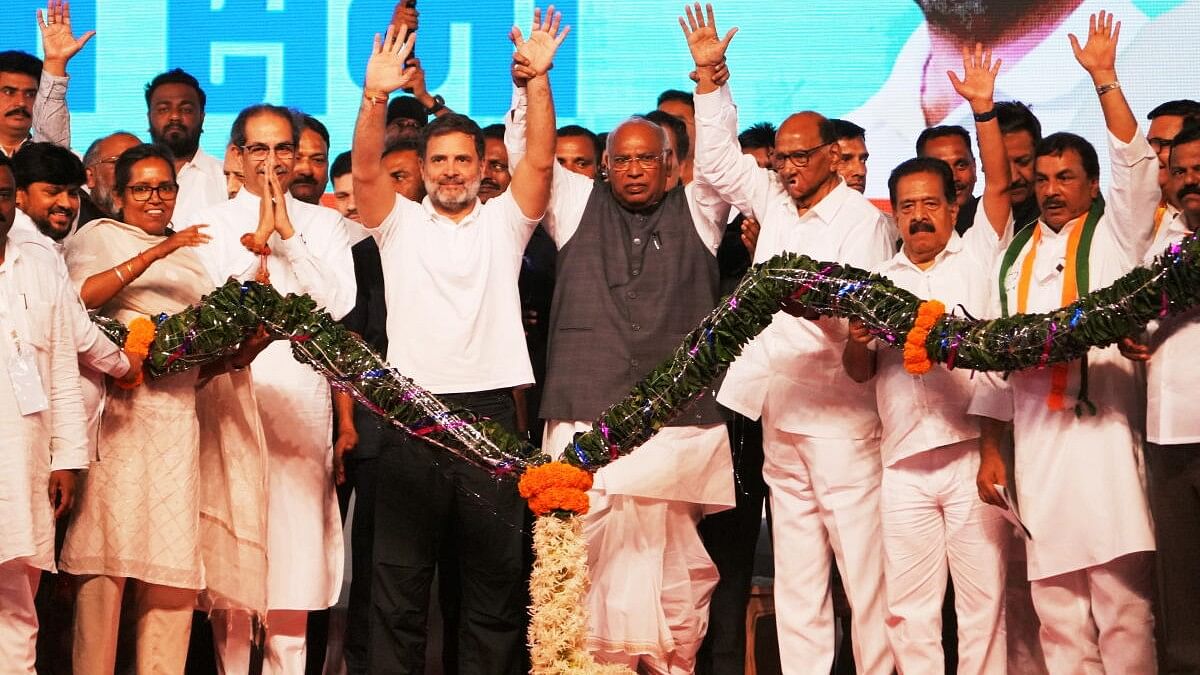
(636, 271)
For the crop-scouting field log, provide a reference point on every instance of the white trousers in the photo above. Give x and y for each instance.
(1099, 619)
(18, 617)
(825, 507)
(934, 525)
(284, 651)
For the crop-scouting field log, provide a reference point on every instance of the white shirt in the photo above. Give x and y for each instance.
(923, 412)
(201, 184)
(34, 303)
(1079, 477)
(1172, 382)
(1064, 101)
(793, 370)
(453, 308)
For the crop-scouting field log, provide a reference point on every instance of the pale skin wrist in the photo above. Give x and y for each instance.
(55, 67)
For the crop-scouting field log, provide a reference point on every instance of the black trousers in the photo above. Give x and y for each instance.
(427, 501)
(730, 538)
(1174, 473)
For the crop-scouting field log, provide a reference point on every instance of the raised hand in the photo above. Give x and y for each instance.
(708, 49)
(978, 83)
(1099, 55)
(385, 69)
(417, 85)
(283, 222)
(58, 42)
(403, 15)
(545, 37)
(189, 236)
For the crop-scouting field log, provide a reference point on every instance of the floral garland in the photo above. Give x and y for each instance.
(137, 343)
(916, 356)
(224, 318)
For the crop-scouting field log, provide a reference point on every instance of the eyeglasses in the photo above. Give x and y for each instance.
(1160, 144)
(798, 159)
(141, 193)
(258, 151)
(623, 162)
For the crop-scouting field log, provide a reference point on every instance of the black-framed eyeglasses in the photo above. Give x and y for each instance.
(259, 151)
(1160, 144)
(798, 159)
(141, 193)
(646, 161)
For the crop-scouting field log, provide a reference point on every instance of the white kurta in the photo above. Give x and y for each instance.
(1172, 387)
(201, 184)
(1079, 478)
(34, 301)
(304, 546)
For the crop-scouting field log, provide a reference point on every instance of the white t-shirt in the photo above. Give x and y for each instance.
(453, 307)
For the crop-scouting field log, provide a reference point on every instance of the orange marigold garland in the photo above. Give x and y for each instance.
(916, 356)
(556, 486)
(137, 343)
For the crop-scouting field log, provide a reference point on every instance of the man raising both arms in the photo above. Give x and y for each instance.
(451, 265)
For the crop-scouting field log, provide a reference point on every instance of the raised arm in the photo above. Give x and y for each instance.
(51, 117)
(708, 49)
(977, 86)
(1134, 193)
(531, 178)
(386, 73)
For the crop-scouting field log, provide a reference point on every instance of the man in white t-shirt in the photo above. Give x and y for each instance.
(453, 325)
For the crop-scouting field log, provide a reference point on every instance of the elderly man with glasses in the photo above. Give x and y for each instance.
(820, 428)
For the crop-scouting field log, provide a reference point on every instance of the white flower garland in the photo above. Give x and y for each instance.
(558, 588)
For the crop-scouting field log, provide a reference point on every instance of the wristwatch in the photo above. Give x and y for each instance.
(438, 104)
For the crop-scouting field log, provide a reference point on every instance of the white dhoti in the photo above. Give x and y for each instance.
(934, 524)
(825, 507)
(18, 616)
(651, 577)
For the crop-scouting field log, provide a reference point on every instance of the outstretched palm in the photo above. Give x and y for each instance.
(544, 39)
(708, 49)
(979, 75)
(385, 69)
(58, 43)
(1100, 52)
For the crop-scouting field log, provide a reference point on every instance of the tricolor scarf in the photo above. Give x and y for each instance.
(1075, 284)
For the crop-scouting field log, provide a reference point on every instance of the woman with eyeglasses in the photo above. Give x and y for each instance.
(137, 528)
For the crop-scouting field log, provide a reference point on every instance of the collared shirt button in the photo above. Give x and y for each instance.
(636, 271)
(637, 241)
(632, 295)
(636, 327)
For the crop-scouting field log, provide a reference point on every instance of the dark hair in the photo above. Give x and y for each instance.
(917, 165)
(1055, 144)
(14, 61)
(47, 163)
(761, 135)
(494, 132)
(341, 166)
(91, 156)
(5, 162)
(582, 132)
(847, 129)
(137, 153)
(401, 145)
(678, 128)
(1184, 107)
(676, 95)
(450, 124)
(1190, 133)
(175, 76)
(1015, 116)
(944, 131)
(237, 133)
(407, 107)
(309, 122)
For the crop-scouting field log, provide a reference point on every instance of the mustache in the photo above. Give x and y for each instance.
(489, 183)
(62, 210)
(1053, 202)
(19, 111)
(304, 179)
(918, 226)
(1187, 190)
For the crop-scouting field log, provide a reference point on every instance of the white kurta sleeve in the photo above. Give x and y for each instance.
(324, 268)
(1133, 197)
(719, 160)
(51, 117)
(710, 213)
(991, 394)
(68, 437)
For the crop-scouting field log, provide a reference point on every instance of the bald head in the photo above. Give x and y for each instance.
(99, 163)
(636, 125)
(806, 155)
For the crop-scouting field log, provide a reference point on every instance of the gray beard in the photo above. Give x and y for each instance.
(472, 191)
(975, 19)
(102, 197)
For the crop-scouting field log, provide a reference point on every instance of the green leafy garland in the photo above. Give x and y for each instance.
(223, 319)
